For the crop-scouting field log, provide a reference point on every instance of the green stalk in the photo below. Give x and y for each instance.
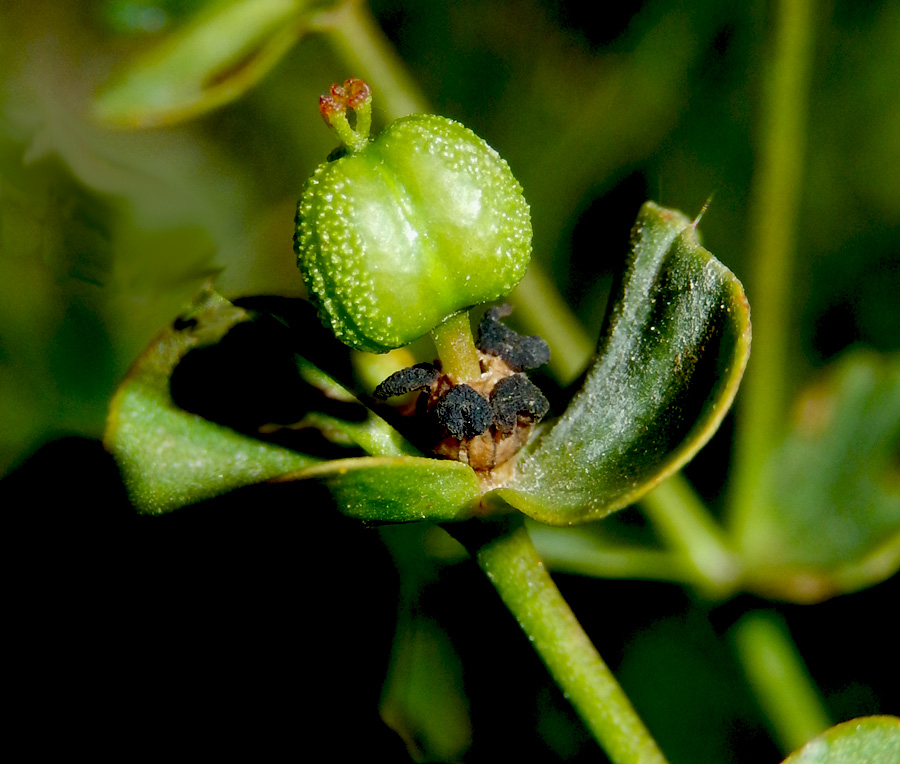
(575, 550)
(359, 42)
(773, 231)
(456, 348)
(685, 524)
(542, 311)
(778, 676)
(511, 563)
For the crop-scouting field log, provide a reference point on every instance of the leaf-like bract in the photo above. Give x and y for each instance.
(168, 457)
(826, 518)
(675, 343)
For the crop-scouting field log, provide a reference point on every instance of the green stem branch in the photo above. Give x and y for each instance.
(360, 43)
(456, 348)
(511, 563)
(773, 228)
(778, 676)
(686, 525)
(576, 550)
(542, 311)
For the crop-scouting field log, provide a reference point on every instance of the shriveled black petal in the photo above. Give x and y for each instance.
(406, 381)
(464, 412)
(519, 352)
(514, 397)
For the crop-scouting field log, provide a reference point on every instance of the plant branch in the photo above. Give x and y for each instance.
(686, 525)
(773, 231)
(578, 551)
(456, 348)
(360, 43)
(779, 678)
(511, 563)
(542, 311)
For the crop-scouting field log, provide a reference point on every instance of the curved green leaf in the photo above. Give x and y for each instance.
(827, 518)
(396, 489)
(215, 58)
(674, 347)
(869, 740)
(169, 457)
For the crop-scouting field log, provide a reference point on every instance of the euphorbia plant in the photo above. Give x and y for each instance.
(404, 235)
(811, 507)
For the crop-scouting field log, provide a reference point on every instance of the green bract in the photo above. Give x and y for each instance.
(422, 222)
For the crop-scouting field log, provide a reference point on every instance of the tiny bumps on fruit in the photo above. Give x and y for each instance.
(395, 235)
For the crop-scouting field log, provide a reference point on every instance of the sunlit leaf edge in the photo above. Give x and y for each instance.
(807, 584)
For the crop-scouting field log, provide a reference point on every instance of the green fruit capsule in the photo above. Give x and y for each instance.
(402, 232)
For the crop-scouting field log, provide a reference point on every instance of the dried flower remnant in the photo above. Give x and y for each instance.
(483, 422)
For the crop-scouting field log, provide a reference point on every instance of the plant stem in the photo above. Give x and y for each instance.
(576, 550)
(779, 678)
(773, 228)
(361, 44)
(542, 311)
(456, 348)
(686, 525)
(511, 563)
